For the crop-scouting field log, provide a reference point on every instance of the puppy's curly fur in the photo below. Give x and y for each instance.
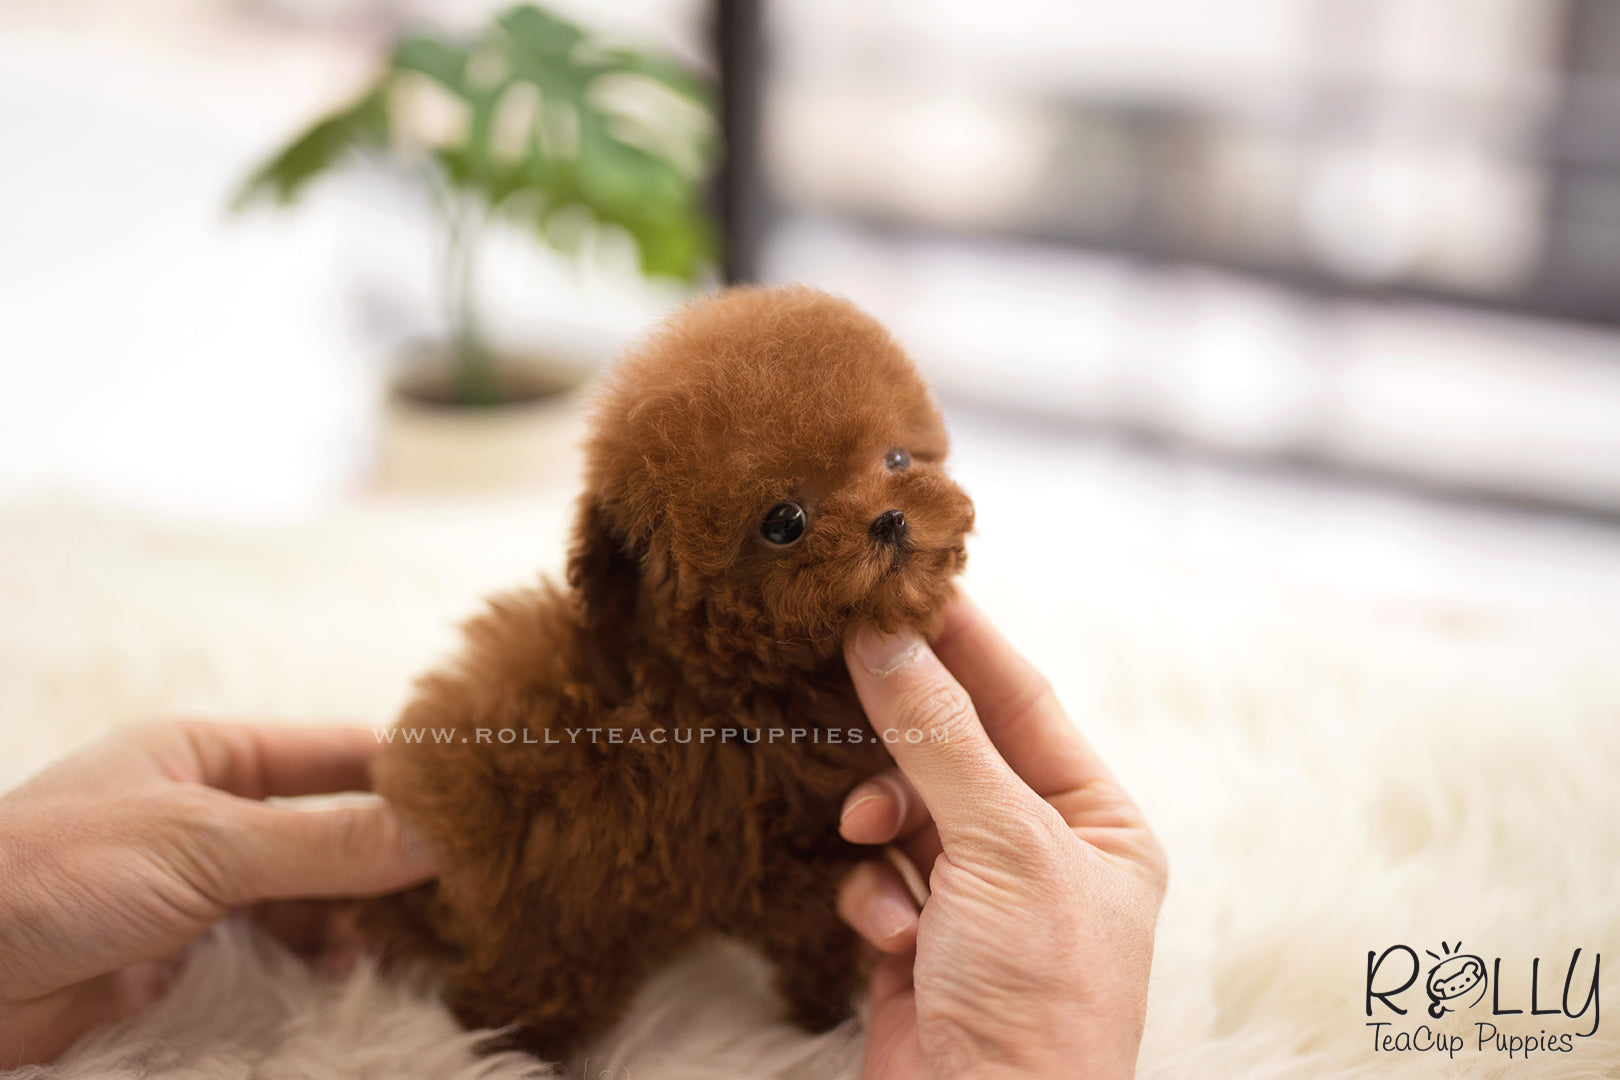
(610, 830)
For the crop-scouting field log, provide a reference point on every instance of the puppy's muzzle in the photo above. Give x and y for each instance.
(890, 528)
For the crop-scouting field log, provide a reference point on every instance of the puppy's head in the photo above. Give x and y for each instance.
(764, 470)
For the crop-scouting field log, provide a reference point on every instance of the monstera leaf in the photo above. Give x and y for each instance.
(363, 125)
(547, 122)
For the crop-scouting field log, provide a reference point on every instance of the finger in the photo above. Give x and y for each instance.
(38, 1031)
(891, 977)
(927, 722)
(281, 852)
(882, 808)
(891, 1040)
(894, 975)
(887, 810)
(311, 927)
(1015, 703)
(915, 883)
(256, 761)
(875, 902)
(923, 848)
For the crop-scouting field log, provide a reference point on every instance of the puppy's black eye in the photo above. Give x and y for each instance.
(783, 524)
(895, 459)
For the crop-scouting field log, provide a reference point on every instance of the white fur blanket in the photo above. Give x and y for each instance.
(1331, 774)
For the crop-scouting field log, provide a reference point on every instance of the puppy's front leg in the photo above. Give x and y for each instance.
(557, 944)
(817, 957)
(559, 992)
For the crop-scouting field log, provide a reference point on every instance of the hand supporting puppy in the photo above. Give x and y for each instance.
(114, 860)
(1031, 956)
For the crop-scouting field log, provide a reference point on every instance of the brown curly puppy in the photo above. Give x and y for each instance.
(660, 751)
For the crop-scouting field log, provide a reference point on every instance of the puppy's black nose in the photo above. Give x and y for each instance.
(890, 527)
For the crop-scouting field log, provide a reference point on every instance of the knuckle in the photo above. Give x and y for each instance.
(202, 838)
(154, 731)
(1037, 834)
(178, 815)
(1156, 866)
(942, 712)
(1036, 692)
(188, 727)
(150, 726)
(1027, 842)
(167, 735)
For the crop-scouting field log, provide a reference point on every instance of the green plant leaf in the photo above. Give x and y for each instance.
(571, 149)
(539, 49)
(671, 74)
(539, 35)
(560, 85)
(679, 245)
(442, 60)
(363, 125)
(613, 172)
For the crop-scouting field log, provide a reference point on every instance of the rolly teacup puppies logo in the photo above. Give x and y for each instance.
(1452, 978)
(1461, 982)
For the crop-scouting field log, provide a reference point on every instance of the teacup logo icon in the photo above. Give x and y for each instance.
(1454, 977)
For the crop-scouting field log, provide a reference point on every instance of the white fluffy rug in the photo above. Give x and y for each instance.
(1332, 775)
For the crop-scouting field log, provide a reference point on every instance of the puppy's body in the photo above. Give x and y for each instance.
(572, 862)
(661, 750)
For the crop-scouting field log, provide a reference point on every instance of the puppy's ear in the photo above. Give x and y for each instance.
(602, 569)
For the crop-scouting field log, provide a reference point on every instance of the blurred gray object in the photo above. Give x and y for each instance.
(1407, 200)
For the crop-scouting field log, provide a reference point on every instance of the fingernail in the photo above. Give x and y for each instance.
(881, 653)
(863, 793)
(890, 918)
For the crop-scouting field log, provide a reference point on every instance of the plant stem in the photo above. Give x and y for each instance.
(472, 367)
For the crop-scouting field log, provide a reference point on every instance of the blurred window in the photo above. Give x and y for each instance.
(1465, 149)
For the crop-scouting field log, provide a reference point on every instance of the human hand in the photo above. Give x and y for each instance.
(1031, 956)
(113, 860)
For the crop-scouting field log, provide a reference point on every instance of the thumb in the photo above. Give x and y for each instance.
(929, 725)
(284, 852)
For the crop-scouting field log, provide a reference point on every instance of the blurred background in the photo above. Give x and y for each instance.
(1322, 288)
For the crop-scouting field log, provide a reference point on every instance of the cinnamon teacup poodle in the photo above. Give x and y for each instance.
(659, 750)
